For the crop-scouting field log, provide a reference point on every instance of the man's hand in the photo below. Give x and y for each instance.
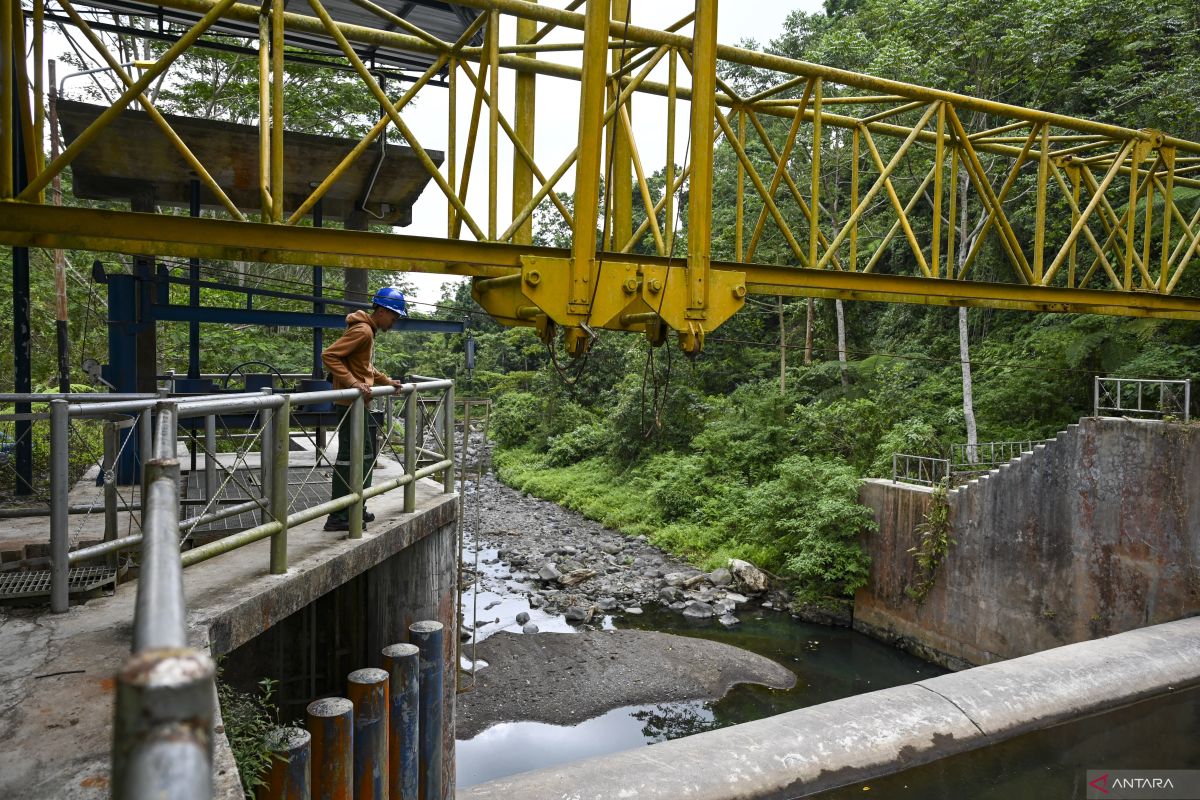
(397, 384)
(364, 390)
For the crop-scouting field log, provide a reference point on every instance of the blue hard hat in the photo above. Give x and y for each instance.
(392, 299)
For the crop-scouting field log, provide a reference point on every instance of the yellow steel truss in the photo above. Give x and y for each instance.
(1123, 249)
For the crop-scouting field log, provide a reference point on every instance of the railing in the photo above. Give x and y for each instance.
(923, 470)
(270, 419)
(163, 718)
(967, 459)
(1125, 396)
(162, 737)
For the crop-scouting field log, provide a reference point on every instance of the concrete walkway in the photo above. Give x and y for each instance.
(863, 737)
(56, 671)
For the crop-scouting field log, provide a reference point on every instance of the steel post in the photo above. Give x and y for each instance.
(1096, 396)
(145, 446)
(331, 724)
(410, 450)
(427, 636)
(402, 663)
(357, 444)
(279, 445)
(60, 486)
(448, 420)
(112, 443)
(369, 694)
(266, 454)
(287, 775)
(210, 458)
(162, 731)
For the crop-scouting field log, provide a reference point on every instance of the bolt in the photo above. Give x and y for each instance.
(630, 285)
(739, 291)
(655, 286)
(533, 277)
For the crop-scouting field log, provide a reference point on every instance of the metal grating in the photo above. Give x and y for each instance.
(300, 497)
(36, 583)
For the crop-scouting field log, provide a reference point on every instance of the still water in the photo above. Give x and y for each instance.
(828, 662)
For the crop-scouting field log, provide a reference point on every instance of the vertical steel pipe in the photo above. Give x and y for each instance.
(402, 662)
(369, 694)
(210, 458)
(448, 419)
(410, 450)
(279, 445)
(112, 443)
(287, 776)
(330, 722)
(357, 423)
(266, 454)
(60, 429)
(427, 636)
(145, 448)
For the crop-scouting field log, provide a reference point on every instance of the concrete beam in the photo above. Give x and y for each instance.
(863, 737)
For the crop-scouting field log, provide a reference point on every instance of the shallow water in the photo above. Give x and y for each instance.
(828, 662)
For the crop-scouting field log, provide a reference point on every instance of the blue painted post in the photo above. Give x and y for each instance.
(331, 724)
(427, 636)
(403, 666)
(287, 775)
(369, 693)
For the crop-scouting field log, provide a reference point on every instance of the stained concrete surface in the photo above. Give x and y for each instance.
(863, 737)
(56, 671)
(1095, 533)
(566, 678)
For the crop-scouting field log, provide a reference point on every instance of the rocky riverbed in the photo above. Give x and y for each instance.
(564, 564)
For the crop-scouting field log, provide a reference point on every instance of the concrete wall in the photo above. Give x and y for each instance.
(1096, 533)
(863, 737)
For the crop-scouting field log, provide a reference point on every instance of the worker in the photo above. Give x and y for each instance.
(350, 361)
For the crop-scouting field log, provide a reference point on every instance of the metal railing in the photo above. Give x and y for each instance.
(163, 717)
(966, 459)
(923, 470)
(271, 421)
(1159, 398)
(162, 735)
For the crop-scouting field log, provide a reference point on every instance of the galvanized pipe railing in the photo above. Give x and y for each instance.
(162, 730)
(275, 411)
(1163, 395)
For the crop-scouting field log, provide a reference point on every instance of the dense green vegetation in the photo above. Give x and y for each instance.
(712, 457)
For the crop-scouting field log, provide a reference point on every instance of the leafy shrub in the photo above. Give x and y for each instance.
(516, 418)
(808, 521)
(912, 436)
(578, 444)
(248, 720)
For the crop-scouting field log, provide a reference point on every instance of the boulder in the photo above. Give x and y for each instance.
(522, 618)
(728, 620)
(748, 577)
(578, 615)
(697, 610)
(530, 628)
(549, 572)
(720, 577)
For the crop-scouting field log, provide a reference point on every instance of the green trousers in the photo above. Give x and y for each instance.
(341, 467)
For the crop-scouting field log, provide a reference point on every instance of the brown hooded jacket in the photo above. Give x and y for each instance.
(350, 359)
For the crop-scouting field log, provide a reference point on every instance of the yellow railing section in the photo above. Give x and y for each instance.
(1107, 234)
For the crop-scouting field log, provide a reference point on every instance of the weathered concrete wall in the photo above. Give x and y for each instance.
(861, 738)
(1096, 533)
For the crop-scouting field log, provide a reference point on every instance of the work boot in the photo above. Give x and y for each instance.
(368, 516)
(332, 524)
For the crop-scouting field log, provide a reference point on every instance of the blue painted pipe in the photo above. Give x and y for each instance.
(369, 693)
(288, 774)
(403, 665)
(427, 636)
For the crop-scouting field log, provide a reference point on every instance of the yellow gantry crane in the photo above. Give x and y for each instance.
(1123, 249)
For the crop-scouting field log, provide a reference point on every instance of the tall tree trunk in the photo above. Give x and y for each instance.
(965, 240)
(808, 332)
(841, 336)
(782, 350)
(964, 353)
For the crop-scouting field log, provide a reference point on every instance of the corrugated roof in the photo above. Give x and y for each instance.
(446, 21)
